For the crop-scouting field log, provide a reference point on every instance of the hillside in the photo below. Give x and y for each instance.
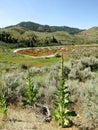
(46, 28)
(21, 36)
(29, 34)
(89, 36)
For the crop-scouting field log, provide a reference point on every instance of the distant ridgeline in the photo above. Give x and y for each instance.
(29, 34)
(46, 28)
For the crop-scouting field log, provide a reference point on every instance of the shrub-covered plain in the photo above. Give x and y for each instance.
(81, 75)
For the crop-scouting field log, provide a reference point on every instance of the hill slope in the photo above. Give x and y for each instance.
(46, 28)
(25, 37)
(89, 36)
(29, 34)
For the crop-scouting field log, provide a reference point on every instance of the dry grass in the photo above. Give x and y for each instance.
(27, 119)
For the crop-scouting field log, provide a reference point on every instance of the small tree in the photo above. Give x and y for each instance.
(62, 103)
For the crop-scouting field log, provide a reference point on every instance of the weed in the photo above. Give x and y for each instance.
(62, 103)
(3, 106)
(31, 92)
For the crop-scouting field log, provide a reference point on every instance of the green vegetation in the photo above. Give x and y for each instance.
(30, 38)
(10, 61)
(61, 112)
(62, 103)
(3, 107)
(89, 36)
(31, 92)
(28, 34)
(81, 80)
(80, 73)
(46, 28)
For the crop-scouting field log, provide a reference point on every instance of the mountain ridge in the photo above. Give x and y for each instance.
(46, 28)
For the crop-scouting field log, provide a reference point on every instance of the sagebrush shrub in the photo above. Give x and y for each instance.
(91, 62)
(81, 69)
(89, 98)
(77, 53)
(87, 93)
(51, 83)
(13, 86)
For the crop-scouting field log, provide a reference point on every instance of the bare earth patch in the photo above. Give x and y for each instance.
(42, 52)
(27, 119)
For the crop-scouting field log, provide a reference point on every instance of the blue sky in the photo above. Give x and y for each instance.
(73, 13)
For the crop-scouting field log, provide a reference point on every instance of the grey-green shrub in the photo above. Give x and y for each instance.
(87, 93)
(81, 69)
(89, 98)
(51, 83)
(13, 86)
(77, 53)
(74, 87)
(34, 71)
(91, 62)
(81, 75)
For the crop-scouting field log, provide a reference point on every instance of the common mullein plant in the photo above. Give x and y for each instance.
(31, 92)
(3, 107)
(62, 103)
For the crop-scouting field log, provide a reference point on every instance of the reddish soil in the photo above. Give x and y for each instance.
(48, 51)
(45, 51)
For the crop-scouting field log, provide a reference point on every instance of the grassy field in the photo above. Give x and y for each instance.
(18, 59)
(7, 56)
